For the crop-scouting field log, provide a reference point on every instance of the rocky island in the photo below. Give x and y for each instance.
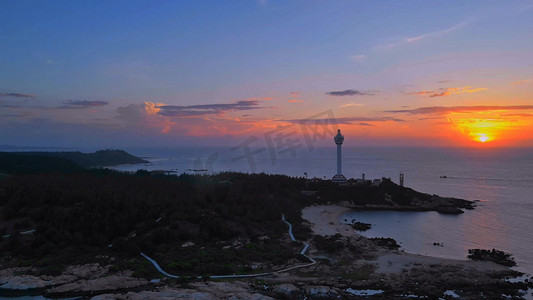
(82, 234)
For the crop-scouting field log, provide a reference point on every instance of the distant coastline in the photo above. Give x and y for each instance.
(72, 161)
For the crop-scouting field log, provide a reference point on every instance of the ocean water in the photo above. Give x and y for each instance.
(500, 179)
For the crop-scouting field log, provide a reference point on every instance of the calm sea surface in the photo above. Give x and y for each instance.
(501, 179)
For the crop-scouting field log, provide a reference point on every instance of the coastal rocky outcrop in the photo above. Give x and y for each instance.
(75, 280)
(87, 271)
(97, 286)
(321, 291)
(286, 290)
(30, 282)
(199, 290)
(451, 206)
(401, 275)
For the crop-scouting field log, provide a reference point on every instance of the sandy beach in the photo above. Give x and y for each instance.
(324, 219)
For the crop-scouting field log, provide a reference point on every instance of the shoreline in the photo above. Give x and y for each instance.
(324, 220)
(413, 274)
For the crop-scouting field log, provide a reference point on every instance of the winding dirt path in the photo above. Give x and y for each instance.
(304, 250)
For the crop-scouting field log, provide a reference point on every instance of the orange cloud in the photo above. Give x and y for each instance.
(167, 126)
(295, 101)
(461, 109)
(520, 82)
(442, 92)
(466, 89)
(422, 93)
(295, 94)
(152, 119)
(152, 108)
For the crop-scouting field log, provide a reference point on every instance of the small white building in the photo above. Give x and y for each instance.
(376, 182)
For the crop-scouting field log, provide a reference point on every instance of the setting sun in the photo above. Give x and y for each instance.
(483, 138)
(496, 126)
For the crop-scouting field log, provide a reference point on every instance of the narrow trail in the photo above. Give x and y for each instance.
(306, 247)
(304, 250)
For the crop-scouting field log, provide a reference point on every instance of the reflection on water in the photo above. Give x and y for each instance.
(416, 231)
(448, 236)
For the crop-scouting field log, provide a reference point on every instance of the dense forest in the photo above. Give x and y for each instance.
(16, 163)
(80, 214)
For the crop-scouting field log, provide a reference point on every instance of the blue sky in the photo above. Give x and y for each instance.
(101, 73)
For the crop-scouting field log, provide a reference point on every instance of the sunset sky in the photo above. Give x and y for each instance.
(186, 73)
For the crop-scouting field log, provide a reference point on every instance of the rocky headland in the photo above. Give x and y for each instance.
(58, 242)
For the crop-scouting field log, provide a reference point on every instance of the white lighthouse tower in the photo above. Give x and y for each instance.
(339, 178)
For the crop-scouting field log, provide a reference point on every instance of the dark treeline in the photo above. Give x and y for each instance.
(38, 162)
(17, 163)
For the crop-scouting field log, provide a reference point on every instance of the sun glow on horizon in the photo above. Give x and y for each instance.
(489, 127)
(483, 138)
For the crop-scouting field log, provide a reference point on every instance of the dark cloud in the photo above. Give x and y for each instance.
(442, 94)
(21, 115)
(363, 121)
(207, 109)
(5, 105)
(421, 93)
(350, 92)
(78, 104)
(16, 95)
(132, 113)
(451, 109)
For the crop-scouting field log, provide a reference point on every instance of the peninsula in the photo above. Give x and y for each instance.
(83, 234)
